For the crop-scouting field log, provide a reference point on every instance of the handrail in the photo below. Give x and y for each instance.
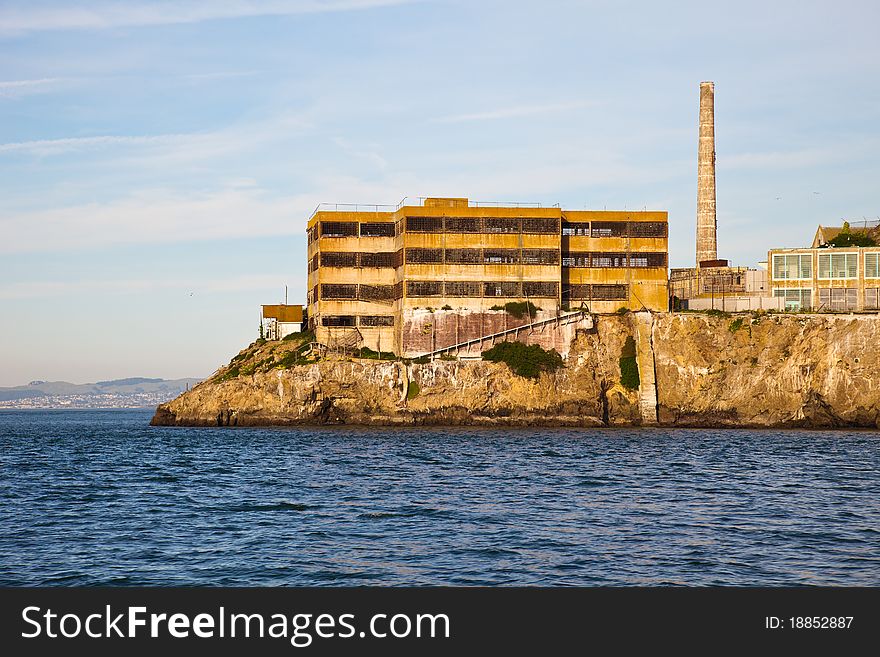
(418, 201)
(493, 336)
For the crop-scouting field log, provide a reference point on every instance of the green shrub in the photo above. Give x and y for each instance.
(366, 352)
(518, 309)
(735, 325)
(448, 357)
(524, 360)
(717, 313)
(302, 336)
(447, 307)
(231, 373)
(848, 238)
(421, 360)
(412, 390)
(623, 310)
(629, 367)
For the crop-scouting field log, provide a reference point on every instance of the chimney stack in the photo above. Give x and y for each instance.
(707, 240)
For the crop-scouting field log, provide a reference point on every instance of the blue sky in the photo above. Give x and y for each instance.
(159, 160)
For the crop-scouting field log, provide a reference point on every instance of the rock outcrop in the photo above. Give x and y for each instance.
(696, 370)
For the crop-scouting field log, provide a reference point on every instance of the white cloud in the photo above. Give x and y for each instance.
(161, 216)
(59, 289)
(58, 146)
(17, 88)
(513, 112)
(28, 17)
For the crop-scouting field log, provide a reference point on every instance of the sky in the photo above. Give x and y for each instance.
(159, 160)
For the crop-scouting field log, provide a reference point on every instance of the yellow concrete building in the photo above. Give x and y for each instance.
(417, 277)
(842, 279)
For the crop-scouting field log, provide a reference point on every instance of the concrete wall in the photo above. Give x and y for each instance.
(736, 304)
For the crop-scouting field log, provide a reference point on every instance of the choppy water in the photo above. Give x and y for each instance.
(98, 497)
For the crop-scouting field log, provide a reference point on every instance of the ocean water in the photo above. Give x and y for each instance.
(100, 498)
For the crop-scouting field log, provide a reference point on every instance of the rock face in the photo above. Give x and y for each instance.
(707, 371)
(768, 371)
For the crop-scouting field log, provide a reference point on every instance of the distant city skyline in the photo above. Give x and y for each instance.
(160, 159)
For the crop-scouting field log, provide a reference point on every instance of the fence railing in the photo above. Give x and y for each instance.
(417, 201)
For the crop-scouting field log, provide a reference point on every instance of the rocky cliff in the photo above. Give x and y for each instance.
(694, 370)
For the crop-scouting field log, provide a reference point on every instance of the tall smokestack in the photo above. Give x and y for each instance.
(707, 240)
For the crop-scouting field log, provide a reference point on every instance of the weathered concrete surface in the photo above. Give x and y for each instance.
(770, 371)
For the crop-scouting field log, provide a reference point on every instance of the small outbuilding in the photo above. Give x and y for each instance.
(280, 320)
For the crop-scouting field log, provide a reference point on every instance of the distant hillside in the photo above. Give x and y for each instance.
(130, 392)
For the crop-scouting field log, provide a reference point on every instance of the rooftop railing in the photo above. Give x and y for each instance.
(417, 201)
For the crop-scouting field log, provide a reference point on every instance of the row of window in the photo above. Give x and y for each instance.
(351, 229)
(595, 292)
(799, 266)
(830, 298)
(394, 259)
(517, 289)
(357, 320)
(483, 256)
(513, 225)
(361, 292)
(597, 260)
(390, 293)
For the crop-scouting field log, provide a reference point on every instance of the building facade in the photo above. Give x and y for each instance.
(280, 320)
(387, 278)
(842, 279)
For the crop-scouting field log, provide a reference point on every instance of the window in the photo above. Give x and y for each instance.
(576, 259)
(647, 229)
(424, 224)
(424, 289)
(385, 229)
(838, 265)
(838, 298)
(795, 299)
(501, 289)
(463, 289)
(872, 265)
(376, 320)
(609, 229)
(500, 256)
(339, 229)
(792, 266)
(609, 292)
(339, 291)
(338, 320)
(462, 224)
(540, 257)
(595, 292)
(501, 225)
(608, 259)
(576, 229)
(339, 259)
(647, 260)
(424, 256)
(464, 256)
(376, 293)
(540, 289)
(378, 259)
(872, 298)
(540, 225)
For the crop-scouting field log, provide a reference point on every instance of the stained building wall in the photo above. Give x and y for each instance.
(456, 261)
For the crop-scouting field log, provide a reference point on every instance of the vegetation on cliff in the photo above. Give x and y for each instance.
(263, 355)
(524, 360)
(629, 368)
